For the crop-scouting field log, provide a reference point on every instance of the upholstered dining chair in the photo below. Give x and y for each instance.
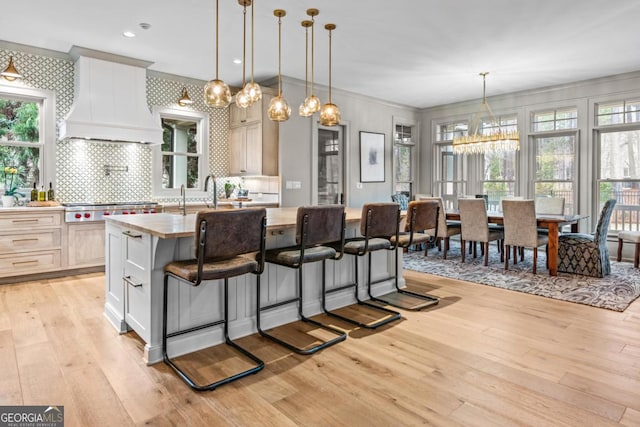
(475, 227)
(550, 205)
(229, 243)
(318, 228)
(521, 230)
(587, 254)
(445, 228)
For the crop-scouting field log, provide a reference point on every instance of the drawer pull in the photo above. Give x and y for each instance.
(25, 220)
(132, 235)
(131, 282)
(17, 263)
(25, 240)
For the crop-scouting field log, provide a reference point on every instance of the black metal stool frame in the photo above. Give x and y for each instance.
(394, 314)
(259, 364)
(429, 300)
(341, 336)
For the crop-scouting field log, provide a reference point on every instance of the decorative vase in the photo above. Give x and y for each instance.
(8, 201)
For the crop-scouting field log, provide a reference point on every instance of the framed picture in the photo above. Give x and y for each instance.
(371, 157)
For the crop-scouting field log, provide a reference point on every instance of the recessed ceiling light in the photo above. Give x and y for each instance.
(145, 25)
(237, 61)
(129, 34)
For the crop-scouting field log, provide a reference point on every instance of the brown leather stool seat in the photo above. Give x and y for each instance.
(229, 243)
(420, 226)
(316, 228)
(379, 223)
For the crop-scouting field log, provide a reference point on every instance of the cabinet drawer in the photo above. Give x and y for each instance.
(138, 305)
(34, 262)
(21, 242)
(19, 221)
(137, 252)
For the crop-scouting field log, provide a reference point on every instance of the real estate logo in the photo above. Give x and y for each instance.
(31, 416)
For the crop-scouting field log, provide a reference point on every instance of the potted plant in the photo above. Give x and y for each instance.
(11, 192)
(228, 189)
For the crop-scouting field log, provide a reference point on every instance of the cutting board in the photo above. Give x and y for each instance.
(47, 204)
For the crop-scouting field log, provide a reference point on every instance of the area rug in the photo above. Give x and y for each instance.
(614, 292)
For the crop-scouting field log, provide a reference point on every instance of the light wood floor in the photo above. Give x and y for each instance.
(483, 357)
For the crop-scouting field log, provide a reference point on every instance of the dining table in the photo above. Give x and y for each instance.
(553, 223)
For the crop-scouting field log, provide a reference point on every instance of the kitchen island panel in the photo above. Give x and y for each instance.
(167, 238)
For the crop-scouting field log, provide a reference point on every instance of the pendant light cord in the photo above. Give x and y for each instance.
(252, 2)
(279, 56)
(244, 42)
(330, 66)
(217, 14)
(306, 62)
(312, 53)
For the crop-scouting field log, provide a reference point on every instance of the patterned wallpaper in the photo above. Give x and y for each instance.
(80, 165)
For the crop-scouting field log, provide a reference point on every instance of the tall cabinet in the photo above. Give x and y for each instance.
(253, 140)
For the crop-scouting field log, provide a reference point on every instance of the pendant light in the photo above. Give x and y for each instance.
(242, 97)
(303, 110)
(216, 92)
(279, 109)
(253, 89)
(184, 98)
(329, 114)
(312, 103)
(10, 73)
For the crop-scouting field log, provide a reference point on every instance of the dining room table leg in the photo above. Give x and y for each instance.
(552, 251)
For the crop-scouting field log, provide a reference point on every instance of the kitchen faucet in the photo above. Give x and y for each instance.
(215, 189)
(183, 194)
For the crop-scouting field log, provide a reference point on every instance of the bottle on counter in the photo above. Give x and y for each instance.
(34, 193)
(50, 195)
(42, 195)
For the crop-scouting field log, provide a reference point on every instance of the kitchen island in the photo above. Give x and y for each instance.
(138, 247)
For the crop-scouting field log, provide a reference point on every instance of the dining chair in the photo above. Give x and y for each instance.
(229, 243)
(587, 254)
(521, 230)
(475, 227)
(318, 228)
(550, 205)
(445, 229)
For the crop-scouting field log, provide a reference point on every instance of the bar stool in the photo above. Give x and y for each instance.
(316, 226)
(633, 237)
(422, 221)
(225, 242)
(378, 224)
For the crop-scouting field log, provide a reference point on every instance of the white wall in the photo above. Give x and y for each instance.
(359, 113)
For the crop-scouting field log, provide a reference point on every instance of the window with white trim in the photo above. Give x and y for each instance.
(555, 144)
(499, 169)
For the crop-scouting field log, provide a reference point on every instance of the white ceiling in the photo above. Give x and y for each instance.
(419, 53)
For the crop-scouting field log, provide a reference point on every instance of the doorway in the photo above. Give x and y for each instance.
(330, 182)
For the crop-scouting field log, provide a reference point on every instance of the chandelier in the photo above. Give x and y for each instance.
(478, 141)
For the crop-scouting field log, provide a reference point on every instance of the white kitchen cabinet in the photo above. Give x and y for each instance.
(114, 272)
(30, 242)
(253, 140)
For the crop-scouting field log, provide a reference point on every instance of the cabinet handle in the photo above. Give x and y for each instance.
(25, 240)
(279, 232)
(16, 263)
(131, 282)
(130, 234)
(243, 120)
(24, 220)
(243, 170)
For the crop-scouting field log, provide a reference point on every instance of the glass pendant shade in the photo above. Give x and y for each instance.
(217, 94)
(312, 103)
(253, 91)
(242, 99)
(329, 115)
(279, 110)
(303, 111)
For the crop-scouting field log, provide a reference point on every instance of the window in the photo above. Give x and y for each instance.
(619, 176)
(555, 142)
(619, 112)
(450, 169)
(499, 168)
(403, 144)
(182, 158)
(21, 145)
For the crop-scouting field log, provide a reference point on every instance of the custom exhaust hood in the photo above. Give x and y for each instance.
(110, 100)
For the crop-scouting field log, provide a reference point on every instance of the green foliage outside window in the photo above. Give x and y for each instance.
(19, 122)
